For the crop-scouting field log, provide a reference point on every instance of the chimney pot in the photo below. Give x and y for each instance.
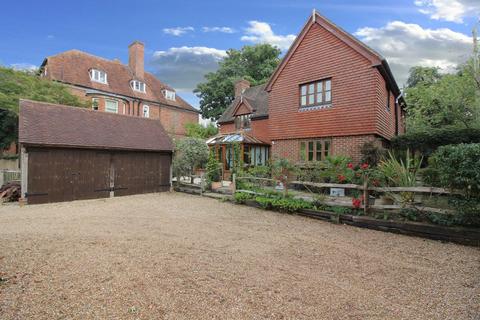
(241, 86)
(136, 58)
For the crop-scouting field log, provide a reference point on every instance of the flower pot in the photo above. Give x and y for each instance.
(216, 185)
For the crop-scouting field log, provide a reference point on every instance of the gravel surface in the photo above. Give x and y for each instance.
(177, 256)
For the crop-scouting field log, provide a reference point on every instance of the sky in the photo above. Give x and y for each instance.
(186, 39)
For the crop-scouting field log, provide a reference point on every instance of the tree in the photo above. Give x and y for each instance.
(190, 154)
(253, 63)
(196, 130)
(435, 101)
(15, 85)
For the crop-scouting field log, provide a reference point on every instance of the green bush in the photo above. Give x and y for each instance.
(372, 153)
(458, 167)
(242, 197)
(213, 168)
(427, 142)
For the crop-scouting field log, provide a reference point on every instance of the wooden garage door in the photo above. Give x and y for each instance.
(141, 172)
(56, 175)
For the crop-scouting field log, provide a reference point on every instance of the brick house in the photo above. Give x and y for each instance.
(124, 89)
(329, 95)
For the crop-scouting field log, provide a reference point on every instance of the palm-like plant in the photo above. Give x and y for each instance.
(399, 173)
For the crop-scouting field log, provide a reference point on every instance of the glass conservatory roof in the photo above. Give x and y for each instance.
(239, 137)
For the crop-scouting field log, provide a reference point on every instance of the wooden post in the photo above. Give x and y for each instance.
(24, 173)
(234, 183)
(365, 196)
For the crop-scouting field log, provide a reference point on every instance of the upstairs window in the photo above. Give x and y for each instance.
(98, 76)
(242, 122)
(318, 93)
(137, 86)
(146, 111)
(170, 95)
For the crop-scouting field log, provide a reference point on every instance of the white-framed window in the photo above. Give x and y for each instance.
(95, 103)
(146, 111)
(170, 95)
(111, 106)
(98, 76)
(137, 85)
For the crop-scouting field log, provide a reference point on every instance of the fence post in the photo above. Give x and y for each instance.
(365, 196)
(234, 183)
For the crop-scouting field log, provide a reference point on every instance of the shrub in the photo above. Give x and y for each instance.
(242, 197)
(457, 167)
(190, 153)
(427, 142)
(372, 153)
(213, 168)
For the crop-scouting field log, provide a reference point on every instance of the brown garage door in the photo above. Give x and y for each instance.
(72, 174)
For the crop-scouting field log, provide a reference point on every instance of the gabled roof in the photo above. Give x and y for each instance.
(54, 125)
(374, 57)
(256, 98)
(73, 66)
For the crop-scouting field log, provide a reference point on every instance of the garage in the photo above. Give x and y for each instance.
(71, 154)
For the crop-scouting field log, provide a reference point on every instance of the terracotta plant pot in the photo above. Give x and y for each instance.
(216, 185)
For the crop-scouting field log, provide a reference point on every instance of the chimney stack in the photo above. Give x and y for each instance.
(136, 58)
(241, 86)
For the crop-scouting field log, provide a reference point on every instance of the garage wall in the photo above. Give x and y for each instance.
(61, 174)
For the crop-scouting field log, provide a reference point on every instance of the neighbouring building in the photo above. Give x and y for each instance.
(329, 95)
(113, 87)
(70, 153)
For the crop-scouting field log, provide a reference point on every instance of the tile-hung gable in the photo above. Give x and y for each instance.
(76, 67)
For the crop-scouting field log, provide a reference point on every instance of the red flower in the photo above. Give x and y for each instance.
(341, 178)
(364, 166)
(350, 165)
(356, 203)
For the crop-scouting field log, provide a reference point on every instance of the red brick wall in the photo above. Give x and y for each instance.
(173, 120)
(322, 55)
(341, 145)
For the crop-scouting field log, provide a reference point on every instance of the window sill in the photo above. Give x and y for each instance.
(319, 107)
(97, 81)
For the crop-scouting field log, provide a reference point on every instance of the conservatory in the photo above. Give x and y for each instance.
(253, 151)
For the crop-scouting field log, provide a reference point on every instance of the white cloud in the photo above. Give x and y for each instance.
(184, 67)
(406, 45)
(261, 32)
(449, 10)
(24, 66)
(178, 31)
(219, 29)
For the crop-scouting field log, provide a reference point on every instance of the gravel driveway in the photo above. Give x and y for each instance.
(177, 256)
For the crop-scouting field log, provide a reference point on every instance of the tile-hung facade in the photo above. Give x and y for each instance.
(111, 86)
(329, 95)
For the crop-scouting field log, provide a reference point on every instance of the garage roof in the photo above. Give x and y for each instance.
(50, 124)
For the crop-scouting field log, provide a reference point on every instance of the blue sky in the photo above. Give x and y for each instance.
(186, 39)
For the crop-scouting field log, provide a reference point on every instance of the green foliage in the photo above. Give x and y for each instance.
(458, 167)
(190, 154)
(196, 130)
(435, 101)
(15, 85)
(372, 153)
(282, 204)
(427, 142)
(253, 63)
(213, 168)
(242, 197)
(400, 173)
(260, 171)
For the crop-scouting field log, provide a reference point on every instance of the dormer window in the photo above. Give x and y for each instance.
(243, 121)
(170, 95)
(98, 76)
(137, 86)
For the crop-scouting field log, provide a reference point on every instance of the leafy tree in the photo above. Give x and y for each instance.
(196, 130)
(253, 63)
(190, 154)
(15, 85)
(436, 102)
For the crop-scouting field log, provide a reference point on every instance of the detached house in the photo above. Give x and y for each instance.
(113, 87)
(329, 95)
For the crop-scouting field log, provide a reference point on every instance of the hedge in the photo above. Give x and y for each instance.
(428, 141)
